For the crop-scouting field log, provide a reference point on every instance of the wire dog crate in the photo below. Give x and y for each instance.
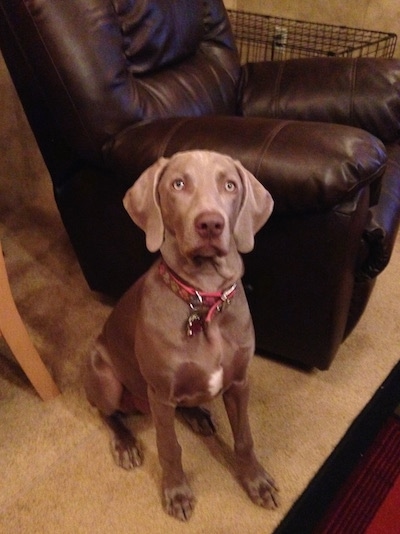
(262, 37)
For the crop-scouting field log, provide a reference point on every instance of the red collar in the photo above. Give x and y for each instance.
(203, 305)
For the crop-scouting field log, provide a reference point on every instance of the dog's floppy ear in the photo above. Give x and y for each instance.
(141, 202)
(257, 205)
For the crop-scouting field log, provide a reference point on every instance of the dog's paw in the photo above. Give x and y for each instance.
(199, 420)
(126, 453)
(179, 502)
(262, 490)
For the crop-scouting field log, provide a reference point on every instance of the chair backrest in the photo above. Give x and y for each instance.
(104, 64)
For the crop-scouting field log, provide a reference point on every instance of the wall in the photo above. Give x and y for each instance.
(380, 15)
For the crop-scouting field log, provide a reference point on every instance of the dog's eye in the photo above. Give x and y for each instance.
(230, 186)
(178, 184)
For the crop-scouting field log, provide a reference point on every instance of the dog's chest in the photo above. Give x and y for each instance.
(192, 369)
(202, 377)
(194, 383)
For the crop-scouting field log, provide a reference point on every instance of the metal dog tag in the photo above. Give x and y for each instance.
(195, 324)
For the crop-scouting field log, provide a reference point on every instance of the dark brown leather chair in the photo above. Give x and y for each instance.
(110, 85)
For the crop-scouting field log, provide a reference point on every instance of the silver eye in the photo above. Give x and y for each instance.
(230, 186)
(178, 184)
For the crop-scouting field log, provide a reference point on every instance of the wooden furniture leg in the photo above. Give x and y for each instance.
(17, 338)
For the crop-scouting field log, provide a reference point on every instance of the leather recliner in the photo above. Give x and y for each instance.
(108, 86)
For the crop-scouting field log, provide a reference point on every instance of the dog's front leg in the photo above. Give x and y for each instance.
(257, 482)
(178, 499)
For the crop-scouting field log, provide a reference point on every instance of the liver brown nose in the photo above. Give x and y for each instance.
(209, 225)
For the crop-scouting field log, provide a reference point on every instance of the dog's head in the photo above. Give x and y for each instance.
(205, 201)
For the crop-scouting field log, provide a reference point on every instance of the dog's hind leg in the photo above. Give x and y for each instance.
(124, 446)
(105, 391)
(199, 419)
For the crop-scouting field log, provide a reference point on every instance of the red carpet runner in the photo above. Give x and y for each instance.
(369, 502)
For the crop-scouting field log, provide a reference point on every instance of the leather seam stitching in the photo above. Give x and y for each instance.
(164, 145)
(277, 89)
(267, 143)
(352, 89)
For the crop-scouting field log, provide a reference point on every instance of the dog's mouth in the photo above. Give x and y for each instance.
(207, 252)
(208, 256)
(216, 262)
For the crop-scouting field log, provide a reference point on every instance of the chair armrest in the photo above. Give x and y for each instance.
(361, 92)
(380, 233)
(306, 166)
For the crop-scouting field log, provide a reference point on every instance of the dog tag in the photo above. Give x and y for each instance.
(194, 325)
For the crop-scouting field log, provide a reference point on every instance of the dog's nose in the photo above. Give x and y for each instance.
(209, 224)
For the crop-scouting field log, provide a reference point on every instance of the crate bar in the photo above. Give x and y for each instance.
(264, 37)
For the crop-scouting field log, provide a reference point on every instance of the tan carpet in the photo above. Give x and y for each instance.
(57, 475)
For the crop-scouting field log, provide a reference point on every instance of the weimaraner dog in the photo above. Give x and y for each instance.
(183, 333)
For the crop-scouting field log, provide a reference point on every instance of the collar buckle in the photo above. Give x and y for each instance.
(203, 305)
